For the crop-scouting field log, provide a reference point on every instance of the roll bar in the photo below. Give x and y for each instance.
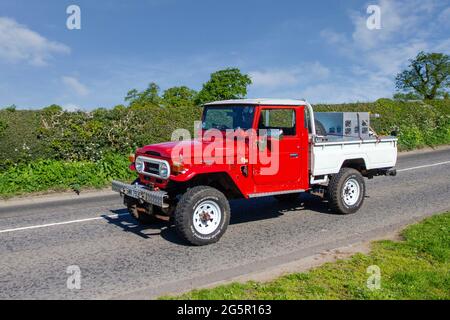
(311, 118)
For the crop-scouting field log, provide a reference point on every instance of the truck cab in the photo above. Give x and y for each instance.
(252, 148)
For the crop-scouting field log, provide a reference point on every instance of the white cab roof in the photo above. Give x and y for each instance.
(270, 102)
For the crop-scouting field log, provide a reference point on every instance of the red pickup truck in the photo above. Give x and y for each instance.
(251, 148)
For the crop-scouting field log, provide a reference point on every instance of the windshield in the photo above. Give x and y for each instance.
(228, 117)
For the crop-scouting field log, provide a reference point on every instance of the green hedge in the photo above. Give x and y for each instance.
(52, 149)
(27, 136)
(43, 175)
(418, 124)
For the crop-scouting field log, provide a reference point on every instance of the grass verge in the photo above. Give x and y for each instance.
(416, 268)
(59, 175)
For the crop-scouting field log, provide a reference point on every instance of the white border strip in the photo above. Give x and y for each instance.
(63, 223)
(424, 166)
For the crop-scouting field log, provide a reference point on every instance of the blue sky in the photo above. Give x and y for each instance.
(318, 50)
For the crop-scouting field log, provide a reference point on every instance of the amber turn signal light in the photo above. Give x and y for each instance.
(177, 167)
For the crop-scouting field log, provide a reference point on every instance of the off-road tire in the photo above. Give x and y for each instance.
(184, 215)
(336, 190)
(288, 197)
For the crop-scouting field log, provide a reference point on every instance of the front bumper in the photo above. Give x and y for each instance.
(141, 193)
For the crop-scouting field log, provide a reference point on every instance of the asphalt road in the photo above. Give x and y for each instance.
(119, 259)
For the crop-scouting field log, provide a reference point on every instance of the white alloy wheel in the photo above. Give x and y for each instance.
(350, 192)
(207, 217)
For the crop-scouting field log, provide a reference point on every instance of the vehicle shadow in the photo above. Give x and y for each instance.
(242, 211)
(128, 224)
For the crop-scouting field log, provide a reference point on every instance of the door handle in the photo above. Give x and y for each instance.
(294, 155)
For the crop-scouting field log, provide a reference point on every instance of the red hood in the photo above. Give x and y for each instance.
(164, 149)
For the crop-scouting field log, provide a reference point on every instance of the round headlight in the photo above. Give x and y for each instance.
(139, 164)
(163, 171)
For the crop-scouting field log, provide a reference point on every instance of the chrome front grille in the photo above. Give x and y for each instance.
(152, 167)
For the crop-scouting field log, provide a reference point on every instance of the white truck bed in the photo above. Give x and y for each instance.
(328, 156)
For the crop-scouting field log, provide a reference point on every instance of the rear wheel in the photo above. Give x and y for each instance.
(346, 191)
(202, 215)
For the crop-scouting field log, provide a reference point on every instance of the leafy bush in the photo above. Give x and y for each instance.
(60, 175)
(54, 149)
(418, 123)
(411, 137)
(27, 136)
(3, 126)
(19, 140)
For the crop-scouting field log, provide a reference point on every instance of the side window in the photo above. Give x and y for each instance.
(278, 119)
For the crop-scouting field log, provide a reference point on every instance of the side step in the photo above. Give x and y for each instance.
(267, 194)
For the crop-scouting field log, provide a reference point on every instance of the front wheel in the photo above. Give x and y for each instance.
(346, 191)
(202, 215)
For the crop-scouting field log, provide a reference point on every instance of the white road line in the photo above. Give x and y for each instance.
(62, 223)
(424, 166)
(121, 214)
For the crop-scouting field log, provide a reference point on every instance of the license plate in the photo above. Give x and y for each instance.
(134, 193)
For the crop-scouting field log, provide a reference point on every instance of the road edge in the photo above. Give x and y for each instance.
(106, 193)
(274, 267)
(65, 198)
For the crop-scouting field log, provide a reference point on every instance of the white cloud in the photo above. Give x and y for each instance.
(347, 89)
(275, 78)
(390, 60)
(392, 22)
(370, 59)
(76, 86)
(407, 27)
(18, 43)
(71, 107)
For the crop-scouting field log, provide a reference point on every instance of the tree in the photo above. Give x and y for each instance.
(11, 108)
(428, 75)
(179, 96)
(132, 95)
(224, 84)
(151, 94)
(407, 96)
(148, 96)
(54, 108)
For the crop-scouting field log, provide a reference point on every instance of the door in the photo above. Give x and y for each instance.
(282, 160)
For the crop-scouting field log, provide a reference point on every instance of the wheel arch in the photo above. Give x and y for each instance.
(356, 163)
(218, 180)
